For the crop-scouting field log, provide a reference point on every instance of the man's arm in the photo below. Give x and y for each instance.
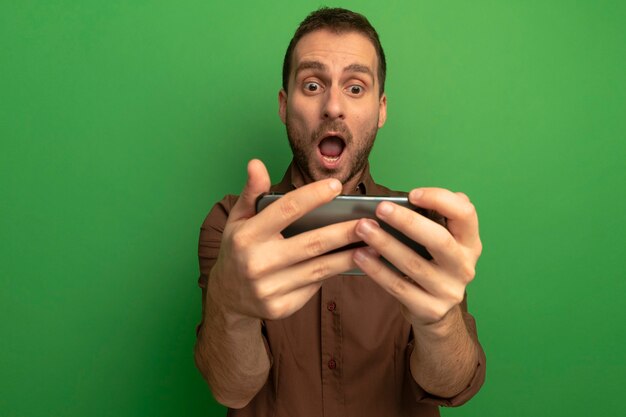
(445, 355)
(231, 355)
(260, 275)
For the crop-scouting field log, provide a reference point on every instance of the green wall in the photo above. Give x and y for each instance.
(122, 122)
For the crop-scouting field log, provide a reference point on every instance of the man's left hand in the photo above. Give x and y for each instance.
(429, 289)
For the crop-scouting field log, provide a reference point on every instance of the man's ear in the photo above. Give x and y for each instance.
(382, 110)
(282, 105)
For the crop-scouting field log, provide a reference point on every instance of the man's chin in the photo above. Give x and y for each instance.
(316, 170)
(341, 173)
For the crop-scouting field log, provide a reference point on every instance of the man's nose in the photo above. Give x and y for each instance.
(334, 105)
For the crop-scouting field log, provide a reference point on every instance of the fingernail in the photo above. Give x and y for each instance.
(366, 226)
(361, 255)
(335, 185)
(385, 208)
(415, 194)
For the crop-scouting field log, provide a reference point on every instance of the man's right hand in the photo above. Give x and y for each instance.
(261, 275)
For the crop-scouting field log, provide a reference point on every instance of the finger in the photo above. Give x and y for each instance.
(257, 184)
(309, 272)
(293, 205)
(434, 237)
(417, 301)
(285, 252)
(460, 212)
(424, 273)
(463, 196)
(285, 305)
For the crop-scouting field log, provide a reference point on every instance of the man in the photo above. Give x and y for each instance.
(284, 333)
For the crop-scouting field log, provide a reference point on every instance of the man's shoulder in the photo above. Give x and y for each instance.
(219, 212)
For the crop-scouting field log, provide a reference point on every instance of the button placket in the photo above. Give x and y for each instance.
(331, 347)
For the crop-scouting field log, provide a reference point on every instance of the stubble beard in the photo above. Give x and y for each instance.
(304, 150)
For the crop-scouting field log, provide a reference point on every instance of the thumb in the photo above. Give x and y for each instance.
(258, 183)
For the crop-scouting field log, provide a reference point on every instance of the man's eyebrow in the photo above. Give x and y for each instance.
(316, 65)
(359, 68)
(304, 65)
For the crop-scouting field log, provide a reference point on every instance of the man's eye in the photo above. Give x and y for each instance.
(311, 87)
(356, 89)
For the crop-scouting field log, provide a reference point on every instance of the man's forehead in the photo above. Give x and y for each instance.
(351, 47)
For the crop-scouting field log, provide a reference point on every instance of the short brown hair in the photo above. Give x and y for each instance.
(339, 21)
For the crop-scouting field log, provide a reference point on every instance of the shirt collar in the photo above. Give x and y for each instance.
(294, 178)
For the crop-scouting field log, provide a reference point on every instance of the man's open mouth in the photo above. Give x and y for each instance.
(331, 148)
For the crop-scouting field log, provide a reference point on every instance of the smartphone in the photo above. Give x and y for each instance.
(344, 208)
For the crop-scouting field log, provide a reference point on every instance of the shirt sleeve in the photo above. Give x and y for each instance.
(209, 242)
(475, 383)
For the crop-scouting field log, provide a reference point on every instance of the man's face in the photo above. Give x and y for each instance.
(333, 109)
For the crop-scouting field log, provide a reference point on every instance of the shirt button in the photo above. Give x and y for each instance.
(332, 364)
(331, 306)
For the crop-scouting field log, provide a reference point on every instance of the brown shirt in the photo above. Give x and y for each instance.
(346, 352)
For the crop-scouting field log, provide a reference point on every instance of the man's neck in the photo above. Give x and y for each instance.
(349, 187)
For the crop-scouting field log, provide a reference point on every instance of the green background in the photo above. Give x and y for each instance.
(121, 123)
